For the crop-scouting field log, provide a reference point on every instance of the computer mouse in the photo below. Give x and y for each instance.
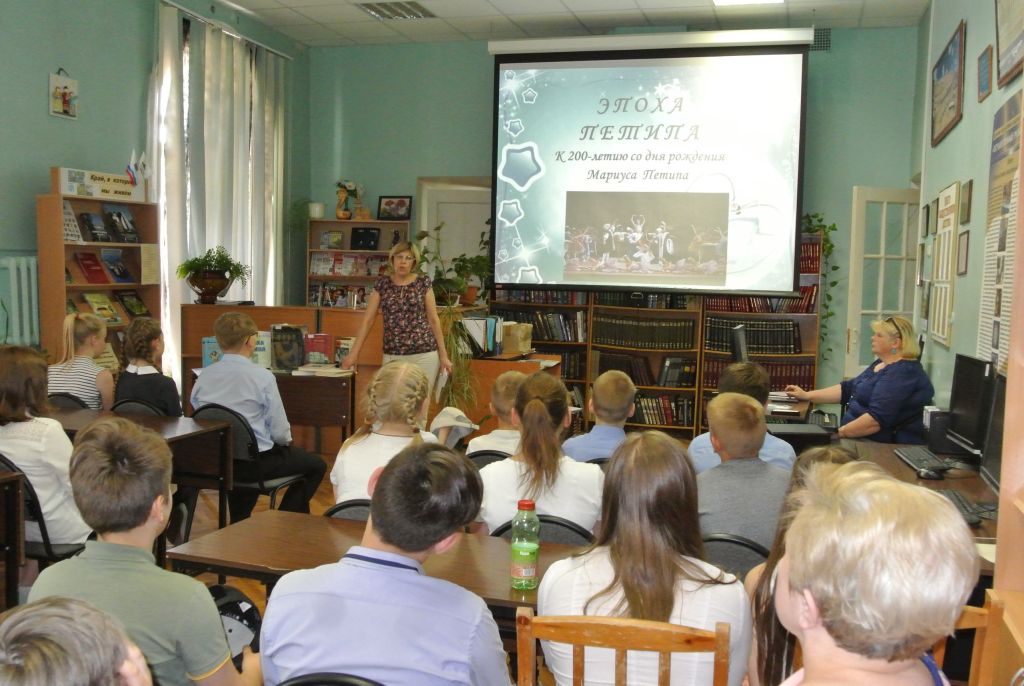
(925, 473)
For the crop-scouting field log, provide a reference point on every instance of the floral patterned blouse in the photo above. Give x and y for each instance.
(406, 329)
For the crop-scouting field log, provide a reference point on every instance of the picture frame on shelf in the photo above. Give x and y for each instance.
(963, 243)
(1009, 40)
(948, 86)
(394, 207)
(985, 73)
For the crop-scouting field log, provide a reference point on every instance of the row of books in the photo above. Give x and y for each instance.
(109, 267)
(287, 347)
(325, 294)
(660, 334)
(114, 225)
(659, 301)
(347, 264)
(520, 295)
(781, 373)
(564, 327)
(103, 307)
(810, 257)
(573, 364)
(805, 303)
(635, 367)
(664, 410)
(764, 336)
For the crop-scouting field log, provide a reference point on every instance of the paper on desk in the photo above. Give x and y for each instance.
(987, 551)
(546, 364)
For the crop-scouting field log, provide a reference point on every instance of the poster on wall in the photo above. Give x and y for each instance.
(1009, 39)
(948, 86)
(63, 95)
(944, 264)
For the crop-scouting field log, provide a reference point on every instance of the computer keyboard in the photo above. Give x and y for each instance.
(968, 510)
(918, 457)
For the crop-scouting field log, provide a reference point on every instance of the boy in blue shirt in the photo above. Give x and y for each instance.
(611, 402)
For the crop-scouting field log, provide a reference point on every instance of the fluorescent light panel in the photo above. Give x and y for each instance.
(386, 11)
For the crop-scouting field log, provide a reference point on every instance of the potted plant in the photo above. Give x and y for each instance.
(476, 267)
(212, 273)
(448, 286)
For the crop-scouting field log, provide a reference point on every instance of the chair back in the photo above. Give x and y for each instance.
(133, 406)
(44, 550)
(244, 445)
(482, 458)
(599, 460)
(735, 554)
(985, 622)
(357, 509)
(325, 679)
(67, 400)
(553, 530)
(620, 635)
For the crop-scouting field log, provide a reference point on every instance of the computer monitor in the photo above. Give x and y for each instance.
(992, 455)
(738, 344)
(970, 403)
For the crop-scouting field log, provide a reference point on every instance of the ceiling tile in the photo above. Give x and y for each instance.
(824, 11)
(668, 17)
(424, 30)
(514, 8)
(257, 4)
(578, 6)
(326, 14)
(675, 4)
(309, 32)
(282, 17)
(336, 43)
(365, 29)
(611, 20)
(486, 26)
(459, 8)
(540, 22)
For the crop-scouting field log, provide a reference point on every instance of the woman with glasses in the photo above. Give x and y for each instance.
(886, 401)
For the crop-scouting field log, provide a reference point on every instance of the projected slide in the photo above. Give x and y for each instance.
(676, 172)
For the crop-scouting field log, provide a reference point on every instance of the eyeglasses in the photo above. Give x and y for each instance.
(890, 320)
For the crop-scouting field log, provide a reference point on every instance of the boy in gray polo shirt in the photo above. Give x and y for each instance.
(120, 478)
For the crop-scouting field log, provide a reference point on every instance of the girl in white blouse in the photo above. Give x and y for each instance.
(646, 564)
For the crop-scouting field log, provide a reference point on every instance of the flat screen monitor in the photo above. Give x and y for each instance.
(738, 344)
(970, 403)
(992, 455)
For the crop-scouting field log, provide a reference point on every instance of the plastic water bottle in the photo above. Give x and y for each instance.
(525, 547)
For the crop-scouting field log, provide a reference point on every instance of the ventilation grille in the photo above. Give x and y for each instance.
(395, 10)
(822, 40)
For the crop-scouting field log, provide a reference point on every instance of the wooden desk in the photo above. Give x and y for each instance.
(272, 543)
(319, 401)
(12, 535)
(201, 448)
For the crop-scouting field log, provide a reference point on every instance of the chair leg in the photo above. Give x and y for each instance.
(191, 500)
(273, 498)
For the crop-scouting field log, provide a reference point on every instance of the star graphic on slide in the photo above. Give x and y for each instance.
(514, 127)
(529, 96)
(520, 165)
(529, 275)
(510, 212)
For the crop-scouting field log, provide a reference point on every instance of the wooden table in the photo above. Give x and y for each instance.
(319, 401)
(12, 535)
(272, 543)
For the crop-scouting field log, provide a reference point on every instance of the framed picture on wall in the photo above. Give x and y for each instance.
(933, 217)
(962, 245)
(948, 86)
(394, 207)
(924, 221)
(985, 73)
(1009, 39)
(966, 191)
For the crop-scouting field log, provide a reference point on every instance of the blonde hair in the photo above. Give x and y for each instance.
(613, 395)
(404, 246)
(737, 422)
(542, 404)
(889, 564)
(396, 394)
(232, 329)
(77, 329)
(503, 393)
(138, 340)
(899, 327)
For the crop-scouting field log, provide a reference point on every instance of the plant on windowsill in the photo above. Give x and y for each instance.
(212, 274)
(475, 267)
(814, 223)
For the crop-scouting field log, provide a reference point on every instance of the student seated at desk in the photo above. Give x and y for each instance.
(559, 485)
(142, 378)
(121, 478)
(374, 613)
(503, 398)
(85, 338)
(236, 383)
(395, 406)
(37, 445)
(748, 378)
(876, 570)
(611, 402)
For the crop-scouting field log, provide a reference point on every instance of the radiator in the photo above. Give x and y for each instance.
(23, 303)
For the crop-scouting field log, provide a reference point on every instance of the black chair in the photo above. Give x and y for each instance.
(553, 530)
(43, 551)
(67, 400)
(245, 449)
(599, 460)
(357, 509)
(132, 406)
(482, 458)
(325, 679)
(735, 554)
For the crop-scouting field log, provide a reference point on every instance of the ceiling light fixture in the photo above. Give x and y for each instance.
(387, 11)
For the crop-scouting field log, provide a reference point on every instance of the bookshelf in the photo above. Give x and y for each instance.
(129, 275)
(344, 258)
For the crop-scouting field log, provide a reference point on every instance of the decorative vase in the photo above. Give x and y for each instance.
(208, 285)
(469, 297)
(341, 211)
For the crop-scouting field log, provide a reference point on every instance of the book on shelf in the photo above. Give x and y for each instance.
(376, 266)
(102, 307)
(72, 231)
(359, 265)
(261, 356)
(108, 359)
(320, 263)
(319, 348)
(211, 350)
(113, 258)
(316, 292)
(132, 303)
(332, 240)
(344, 265)
(92, 268)
(287, 346)
(93, 223)
(121, 223)
(342, 347)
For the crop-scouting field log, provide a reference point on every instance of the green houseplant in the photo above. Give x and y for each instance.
(814, 223)
(212, 273)
(475, 267)
(448, 286)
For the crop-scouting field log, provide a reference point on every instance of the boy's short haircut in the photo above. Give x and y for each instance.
(60, 640)
(737, 422)
(118, 468)
(232, 329)
(613, 395)
(503, 392)
(425, 493)
(748, 378)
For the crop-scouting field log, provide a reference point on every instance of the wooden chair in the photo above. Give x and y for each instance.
(620, 635)
(983, 657)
